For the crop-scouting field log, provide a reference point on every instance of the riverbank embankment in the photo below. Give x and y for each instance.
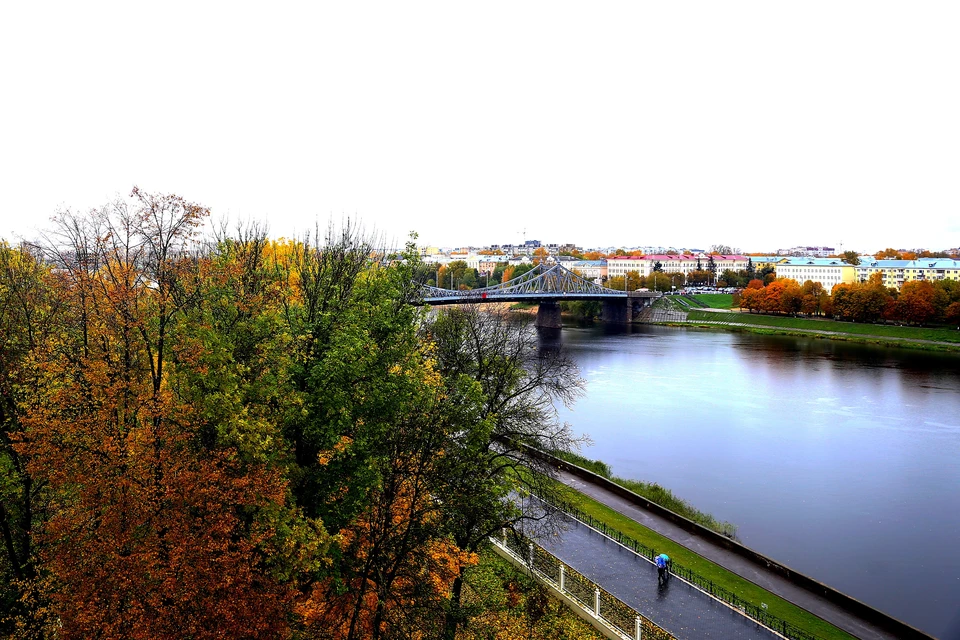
(928, 339)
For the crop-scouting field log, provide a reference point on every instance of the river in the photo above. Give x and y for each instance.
(839, 460)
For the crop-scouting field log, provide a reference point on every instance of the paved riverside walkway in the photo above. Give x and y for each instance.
(684, 611)
(730, 561)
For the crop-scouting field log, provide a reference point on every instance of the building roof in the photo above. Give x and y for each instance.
(814, 262)
(589, 263)
(884, 264)
(934, 263)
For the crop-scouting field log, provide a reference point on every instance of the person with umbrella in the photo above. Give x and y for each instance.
(663, 565)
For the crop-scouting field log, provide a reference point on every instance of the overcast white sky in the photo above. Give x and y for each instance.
(755, 124)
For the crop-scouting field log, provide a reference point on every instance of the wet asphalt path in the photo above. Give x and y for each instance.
(677, 607)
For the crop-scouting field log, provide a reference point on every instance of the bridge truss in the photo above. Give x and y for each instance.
(543, 282)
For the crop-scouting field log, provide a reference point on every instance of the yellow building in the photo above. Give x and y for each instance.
(829, 272)
(896, 272)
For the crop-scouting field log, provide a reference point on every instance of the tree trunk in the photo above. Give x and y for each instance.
(454, 617)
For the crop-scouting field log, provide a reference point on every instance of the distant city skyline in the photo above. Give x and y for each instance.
(752, 124)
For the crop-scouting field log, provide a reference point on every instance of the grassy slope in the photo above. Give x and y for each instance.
(716, 300)
(654, 493)
(742, 587)
(852, 328)
(508, 603)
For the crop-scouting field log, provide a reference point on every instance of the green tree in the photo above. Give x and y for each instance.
(629, 282)
(29, 312)
(583, 309)
(496, 371)
(659, 281)
(851, 257)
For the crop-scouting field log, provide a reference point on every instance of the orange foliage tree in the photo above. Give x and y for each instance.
(914, 304)
(152, 531)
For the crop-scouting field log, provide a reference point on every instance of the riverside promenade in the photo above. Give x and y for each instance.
(684, 611)
(733, 562)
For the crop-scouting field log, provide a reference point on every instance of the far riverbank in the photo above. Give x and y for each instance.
(928, 339)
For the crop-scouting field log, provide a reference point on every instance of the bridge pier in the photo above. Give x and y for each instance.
(548, 316)
(616, 311)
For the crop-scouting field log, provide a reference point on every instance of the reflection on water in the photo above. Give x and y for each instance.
(840, 460)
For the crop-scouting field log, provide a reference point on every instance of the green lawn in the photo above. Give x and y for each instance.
(652, 492)
(681, 555)
(716, 300)
(853, 328)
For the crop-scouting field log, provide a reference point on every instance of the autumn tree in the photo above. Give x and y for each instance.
(952, 314)
(860, 302)
(153, 531)
(751, 297)
(631, 281)
(814, 298)
(914, 304)
(887, 254)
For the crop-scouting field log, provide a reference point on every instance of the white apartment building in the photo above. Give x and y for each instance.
(827, 271)
(682, 263)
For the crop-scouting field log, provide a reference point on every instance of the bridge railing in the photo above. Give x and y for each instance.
(749, 609)
(586, 594)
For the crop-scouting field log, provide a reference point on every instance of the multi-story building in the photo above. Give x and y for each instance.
(933, 269)
(488, 264)
(896, 272)
(891, 270)
(589, 269)
(681, 263)
(827, 271)
(760, 262)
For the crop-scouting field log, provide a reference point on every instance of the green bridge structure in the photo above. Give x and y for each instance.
(547, 286)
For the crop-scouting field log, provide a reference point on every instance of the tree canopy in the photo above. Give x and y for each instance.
(222, 435)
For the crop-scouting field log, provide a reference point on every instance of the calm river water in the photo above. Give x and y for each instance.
(841, 461)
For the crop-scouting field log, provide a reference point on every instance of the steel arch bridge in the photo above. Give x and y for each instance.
(542, 283)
